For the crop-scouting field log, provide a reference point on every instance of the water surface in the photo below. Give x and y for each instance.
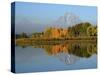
(63, 56)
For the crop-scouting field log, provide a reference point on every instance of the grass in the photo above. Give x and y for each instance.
(43, 41)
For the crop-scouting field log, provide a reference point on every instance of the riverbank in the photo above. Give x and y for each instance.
(54, 41)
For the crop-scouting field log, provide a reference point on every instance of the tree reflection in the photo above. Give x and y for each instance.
(83, 49)
(68, 52)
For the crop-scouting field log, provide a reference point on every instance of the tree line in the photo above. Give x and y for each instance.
(78, 30)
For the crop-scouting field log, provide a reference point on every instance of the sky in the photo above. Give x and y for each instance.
(35, 17)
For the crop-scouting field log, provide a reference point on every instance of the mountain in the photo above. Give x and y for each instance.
(68, 19)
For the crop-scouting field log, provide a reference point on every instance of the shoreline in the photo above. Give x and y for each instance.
(55, 41)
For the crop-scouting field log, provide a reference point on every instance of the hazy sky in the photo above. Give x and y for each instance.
(33, 17)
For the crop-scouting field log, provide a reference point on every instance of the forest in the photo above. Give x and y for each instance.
(81, 31)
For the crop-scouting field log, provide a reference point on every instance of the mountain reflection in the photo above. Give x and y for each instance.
(67, 52)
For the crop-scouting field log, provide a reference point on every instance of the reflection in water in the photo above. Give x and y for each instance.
(68, 53)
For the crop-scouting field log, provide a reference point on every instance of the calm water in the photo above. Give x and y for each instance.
(64, 56)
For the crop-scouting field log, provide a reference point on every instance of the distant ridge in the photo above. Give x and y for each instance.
(68, 19)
